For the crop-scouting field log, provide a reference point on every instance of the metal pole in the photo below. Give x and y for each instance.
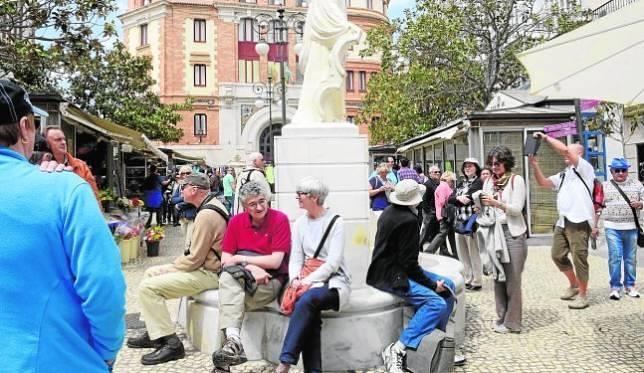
(578, 120)
(270, 111)
(283, 43)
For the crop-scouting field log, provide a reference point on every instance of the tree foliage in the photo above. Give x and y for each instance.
(117, 86)
(444, 59)
(61, 45)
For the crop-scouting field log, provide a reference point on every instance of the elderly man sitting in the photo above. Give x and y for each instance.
(190, 274)
(255, 266)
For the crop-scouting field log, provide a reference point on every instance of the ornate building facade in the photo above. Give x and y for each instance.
(205, 50)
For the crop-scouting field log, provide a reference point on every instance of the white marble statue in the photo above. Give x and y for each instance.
(327, 36)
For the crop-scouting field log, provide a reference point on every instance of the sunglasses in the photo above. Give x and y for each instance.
(620, 170)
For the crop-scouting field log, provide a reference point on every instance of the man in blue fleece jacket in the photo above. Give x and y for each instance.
(62, 298)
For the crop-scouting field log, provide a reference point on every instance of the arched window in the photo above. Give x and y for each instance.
(267, 142)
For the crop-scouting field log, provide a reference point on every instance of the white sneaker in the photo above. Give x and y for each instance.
(633, 293)
(614, 295)
(394, 360)
(501, 329)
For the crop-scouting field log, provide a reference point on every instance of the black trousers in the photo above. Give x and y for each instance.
(445, 233)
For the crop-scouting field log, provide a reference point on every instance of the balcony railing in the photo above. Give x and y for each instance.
(610, 6)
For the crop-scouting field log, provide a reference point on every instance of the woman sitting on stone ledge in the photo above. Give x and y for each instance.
(318, 241)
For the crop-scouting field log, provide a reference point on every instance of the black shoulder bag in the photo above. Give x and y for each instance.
(640, 234)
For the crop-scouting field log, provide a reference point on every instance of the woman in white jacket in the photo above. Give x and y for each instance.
(506, 193)
(329, 285)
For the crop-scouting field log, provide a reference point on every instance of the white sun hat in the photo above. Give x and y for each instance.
(407, 193)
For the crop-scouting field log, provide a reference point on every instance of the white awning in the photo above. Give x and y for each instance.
(446, 134)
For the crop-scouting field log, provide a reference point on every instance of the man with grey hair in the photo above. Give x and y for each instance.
(191, 273)
(254, 171)
(430, 226)
(254, 258)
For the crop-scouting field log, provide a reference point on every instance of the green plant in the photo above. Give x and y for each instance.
(106, 195)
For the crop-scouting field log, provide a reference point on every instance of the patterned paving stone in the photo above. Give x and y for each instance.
(606, 337)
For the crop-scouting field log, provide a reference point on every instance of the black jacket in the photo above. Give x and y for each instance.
(395, 253)
(428, 204)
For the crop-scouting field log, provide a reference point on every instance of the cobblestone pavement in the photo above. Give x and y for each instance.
(606, 337)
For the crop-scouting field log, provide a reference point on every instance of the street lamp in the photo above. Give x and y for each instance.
(279, 26)
(269, 90)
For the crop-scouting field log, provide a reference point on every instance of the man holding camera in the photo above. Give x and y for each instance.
(190, 274)
(576, 216)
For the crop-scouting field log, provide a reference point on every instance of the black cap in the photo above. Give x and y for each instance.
(14, 102)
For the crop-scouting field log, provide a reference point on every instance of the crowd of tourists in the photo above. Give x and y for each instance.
(64, 308)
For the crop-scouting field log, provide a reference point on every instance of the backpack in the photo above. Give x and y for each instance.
(596, 196)
(205, 206)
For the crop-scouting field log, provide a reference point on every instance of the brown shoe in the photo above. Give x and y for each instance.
(579, 304)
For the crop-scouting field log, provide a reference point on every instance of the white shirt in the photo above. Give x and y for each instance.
(574, 202)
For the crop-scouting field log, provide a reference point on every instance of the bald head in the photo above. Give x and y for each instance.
(576, 149)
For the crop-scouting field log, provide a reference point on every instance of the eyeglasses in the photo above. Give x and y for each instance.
(256, 204)
(436, 172)
(185, 173)
(300, 194)
(620, 170)
(183, 186)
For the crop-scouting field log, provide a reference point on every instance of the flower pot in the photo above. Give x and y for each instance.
(125, 251)
(134, 248)
(153, 248)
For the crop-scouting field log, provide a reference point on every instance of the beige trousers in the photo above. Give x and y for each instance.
(234, 302)
(468, 253)
(165, 282)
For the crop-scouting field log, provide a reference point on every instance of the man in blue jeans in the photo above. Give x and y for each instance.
(394, 268)
(621, 230)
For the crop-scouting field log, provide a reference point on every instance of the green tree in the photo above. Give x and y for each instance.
(117, 86)
(39, 38)
(61, 45)
(447, 58)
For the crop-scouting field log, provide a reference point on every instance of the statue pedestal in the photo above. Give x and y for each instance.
(338, 155)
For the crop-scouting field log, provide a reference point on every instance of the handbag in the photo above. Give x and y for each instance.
(468, 226)
(640, 234)
(291, 293)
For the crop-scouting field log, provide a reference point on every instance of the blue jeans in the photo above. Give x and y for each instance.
(622, 245)
(432, 310)
(229, 203)
(303, 333)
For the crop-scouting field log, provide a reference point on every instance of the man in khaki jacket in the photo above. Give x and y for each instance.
(190, 274)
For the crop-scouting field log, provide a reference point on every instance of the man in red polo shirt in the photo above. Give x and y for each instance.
(259, 240)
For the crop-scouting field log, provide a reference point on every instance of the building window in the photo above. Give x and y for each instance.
(201, 125)
(347, 3)
(351, 119)
(369, 4)
(247, 30)
(200, 30)
(275, 2)
(363, 81)
(350, 87)
(248, 71)
(146, 2)
(143, 31)
(302, 3)
(200, 75)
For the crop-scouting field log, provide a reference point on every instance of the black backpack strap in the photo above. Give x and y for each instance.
(325, 235)
(628, 202)
(583, 182)
(221, 212)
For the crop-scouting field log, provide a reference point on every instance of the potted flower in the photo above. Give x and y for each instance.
(107, 197)
(153, 236)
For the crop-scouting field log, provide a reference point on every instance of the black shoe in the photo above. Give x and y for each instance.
(143, 341)
(175, 224)
(468, 286)
(476, 287)
(221, 370)
(172, 349)
(230, 355)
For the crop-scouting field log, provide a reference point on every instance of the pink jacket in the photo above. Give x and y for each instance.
(441, 195)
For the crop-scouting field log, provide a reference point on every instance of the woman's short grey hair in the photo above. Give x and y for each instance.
(252, 157)
(253, 189)
(314, 187)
